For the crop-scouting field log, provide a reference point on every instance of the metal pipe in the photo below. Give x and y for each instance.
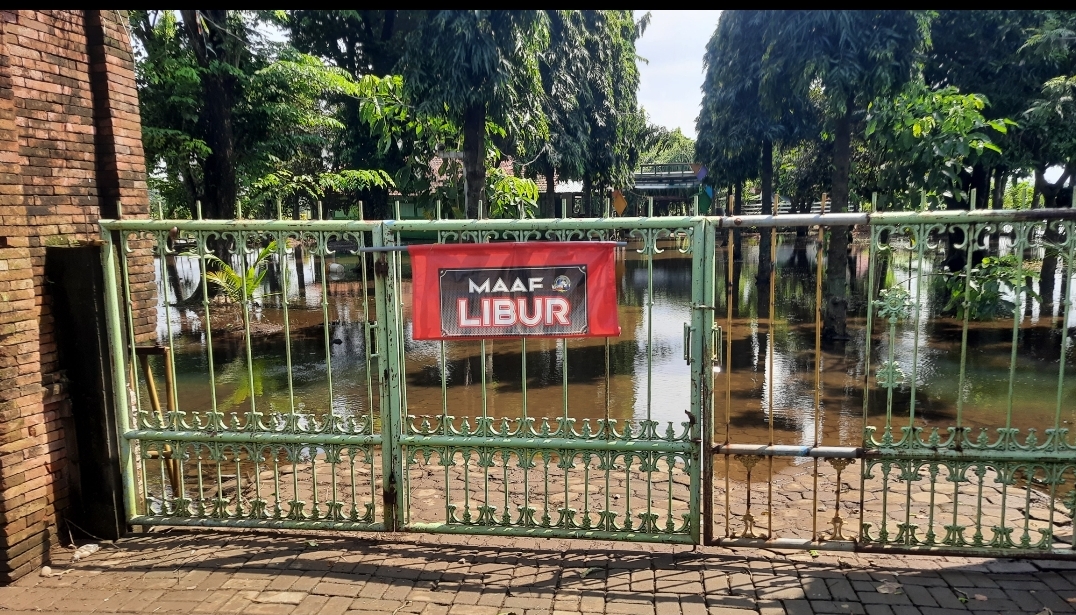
(788, 543)
(790, 450)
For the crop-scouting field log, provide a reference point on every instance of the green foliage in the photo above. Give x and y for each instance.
(478, 66)
(510, 196)
(236, 288)
(670, 147)
(284, 184)
(924, 139)
(1018, 195)
(987, 290)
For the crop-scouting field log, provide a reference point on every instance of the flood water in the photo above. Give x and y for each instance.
(766, 383)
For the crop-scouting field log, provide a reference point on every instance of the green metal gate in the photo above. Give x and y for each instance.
(373, 462)
(296, 433)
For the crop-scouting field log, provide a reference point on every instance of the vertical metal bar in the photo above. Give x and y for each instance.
(730, 299)
(564, 386)
(201, 238)
(169, 359)
(445, 429)
(323, 246)
(701, 356)
(241, 245)
(128, 305)
(921, 245)
(119, 373)
(386, 294)
(769, 356)
(818, 380)
(970, 233)
(872, 256)
(1066, 306)
(1019, 290)
(650, 247)
(282, 256)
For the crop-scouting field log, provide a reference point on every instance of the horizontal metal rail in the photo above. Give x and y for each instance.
(555, 444)
(548, 532)
(252, 437)
(288, 524)
(786, 450)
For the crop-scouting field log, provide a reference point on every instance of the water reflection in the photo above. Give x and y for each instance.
(770, 370)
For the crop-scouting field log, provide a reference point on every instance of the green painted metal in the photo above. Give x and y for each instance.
(546, 472)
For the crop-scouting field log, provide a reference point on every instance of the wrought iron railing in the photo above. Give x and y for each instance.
(922, 419)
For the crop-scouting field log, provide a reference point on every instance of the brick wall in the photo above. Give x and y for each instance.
(70, 147)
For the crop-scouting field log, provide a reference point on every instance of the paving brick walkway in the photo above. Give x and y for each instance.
(288, 574)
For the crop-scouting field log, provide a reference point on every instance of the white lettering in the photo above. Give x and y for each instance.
(462, 318)
(556, 309)
(531, 320)
(475, 288)
(486, 311)
(535, 283)
(518, 286)
(504, 313)
(500, 286)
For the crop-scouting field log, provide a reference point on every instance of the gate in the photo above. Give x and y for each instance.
(294, 396)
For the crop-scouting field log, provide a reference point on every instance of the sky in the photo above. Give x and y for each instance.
(669, 82)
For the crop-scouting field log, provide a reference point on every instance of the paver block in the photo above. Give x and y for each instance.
(349, 590)
(798, 607)
(919, 595)
(874, 597)
(830, 606)
(947, 598)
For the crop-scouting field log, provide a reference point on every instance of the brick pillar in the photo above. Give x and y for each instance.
(57, 143)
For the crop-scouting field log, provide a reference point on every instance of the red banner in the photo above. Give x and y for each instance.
(541, 289)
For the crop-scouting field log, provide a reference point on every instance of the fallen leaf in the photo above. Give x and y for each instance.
(980, 597)
(312, 543)
(1045, 611)
(889, 587)
(813, 553)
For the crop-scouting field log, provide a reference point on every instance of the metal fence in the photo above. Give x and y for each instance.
(917, 399)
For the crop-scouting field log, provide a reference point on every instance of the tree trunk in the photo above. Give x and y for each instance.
(587, 196)
(300, 271)
(551, 193)
(474, 146)
(218, 88)
(765, 244)
(998, 198)
(836, 326)
(737, 233)
(1049, 191)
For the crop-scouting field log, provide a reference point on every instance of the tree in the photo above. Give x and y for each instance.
(671, 147)
(926, 139)
(982, 52)
(617, 125)
(210, 147)
(363, 43)
(739, 123)
(565, 67)
(855, 57)
(477, 67)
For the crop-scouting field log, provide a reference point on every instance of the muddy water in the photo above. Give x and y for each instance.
(766, 383)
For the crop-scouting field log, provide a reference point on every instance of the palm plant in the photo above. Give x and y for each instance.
(235, 287)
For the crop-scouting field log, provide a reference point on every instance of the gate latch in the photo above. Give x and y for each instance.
(687, 342)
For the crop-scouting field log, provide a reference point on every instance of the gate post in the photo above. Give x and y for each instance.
(118, 352)
(701, 353)
(389, 348)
